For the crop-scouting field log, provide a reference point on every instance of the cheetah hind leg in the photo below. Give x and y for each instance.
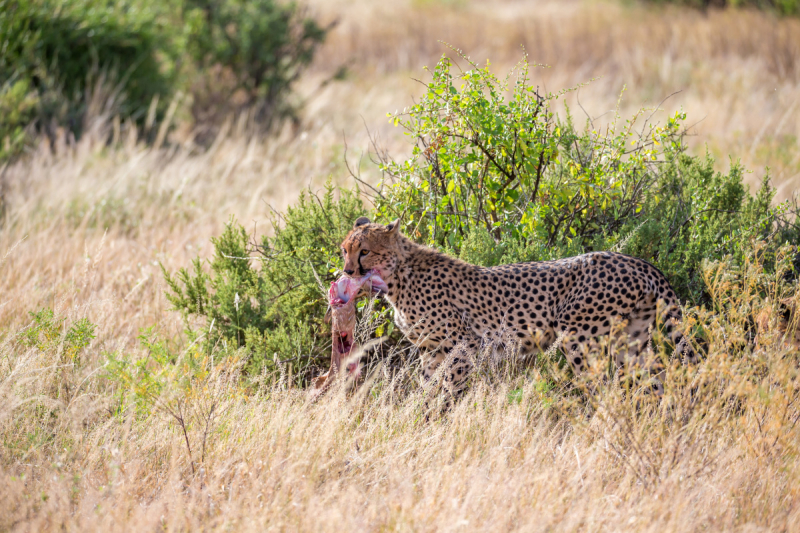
(576, 355)
(431, 362)
(448, 372)
(639, 351)
(683, 348)
(647, 316)
(457, 372)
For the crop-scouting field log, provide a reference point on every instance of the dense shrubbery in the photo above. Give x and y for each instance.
(56, 53)
(252, 49)
(492, 180)
(131, 58)
(783, 7)
(499, 181)
(271, 296)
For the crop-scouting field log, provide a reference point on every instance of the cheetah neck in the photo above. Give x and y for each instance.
(415, 263)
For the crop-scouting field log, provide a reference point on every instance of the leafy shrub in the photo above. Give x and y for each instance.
(270, 297)
(54, 52)
(695, 214)
(261, 45)
(499, 180)
(191, 388)
(18, 106)
(783, 7)
(515, 169)
(49, 332)
(44, 365)
(60, 57)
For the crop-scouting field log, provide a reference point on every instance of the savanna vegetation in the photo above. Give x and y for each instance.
(780, 7)
(175, 186)
(65, 64)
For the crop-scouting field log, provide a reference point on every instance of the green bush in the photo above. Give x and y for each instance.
(48, 332)
(55, 53)
(190, 388)
(695, 214)
(270, 297)
(782, 7)
(500, 180)
(18, 109)
(510, 166)
(59, 58)
(46, 364)
(261, 45)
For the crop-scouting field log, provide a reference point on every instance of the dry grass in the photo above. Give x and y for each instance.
(718, 452)
(86, 226)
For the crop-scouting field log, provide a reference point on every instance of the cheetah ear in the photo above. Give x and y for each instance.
(393, 227)
(360, 221)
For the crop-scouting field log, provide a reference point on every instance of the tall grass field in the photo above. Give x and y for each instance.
(163, 275)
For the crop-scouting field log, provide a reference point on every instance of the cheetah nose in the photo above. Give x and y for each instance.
(349, 272)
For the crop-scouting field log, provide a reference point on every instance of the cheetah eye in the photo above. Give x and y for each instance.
(364, 252)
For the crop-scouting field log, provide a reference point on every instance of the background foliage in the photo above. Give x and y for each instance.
(260, 47)
(782, 7)
(270, 296)
(131, 57)
(55, 53)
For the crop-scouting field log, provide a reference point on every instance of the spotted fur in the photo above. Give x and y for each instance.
(441, 303)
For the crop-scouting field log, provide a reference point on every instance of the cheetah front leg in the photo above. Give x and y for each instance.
(637, 349)
(450, 367)
(458, 369)
(430, 362)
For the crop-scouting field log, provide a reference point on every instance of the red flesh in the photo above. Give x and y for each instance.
(342, 297)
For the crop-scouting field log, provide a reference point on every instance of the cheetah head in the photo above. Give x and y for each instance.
(371, 247)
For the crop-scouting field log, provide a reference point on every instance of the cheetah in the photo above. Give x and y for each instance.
(441, 303)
